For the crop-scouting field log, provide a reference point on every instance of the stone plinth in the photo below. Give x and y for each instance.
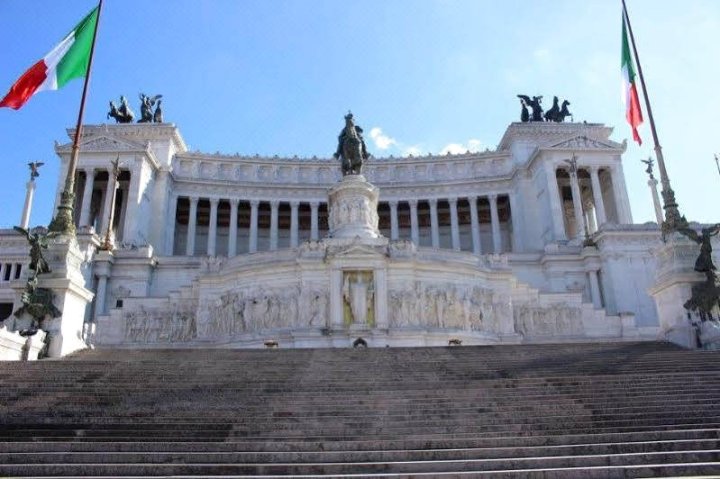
(672, 288)
(353, 209)
(72, 298)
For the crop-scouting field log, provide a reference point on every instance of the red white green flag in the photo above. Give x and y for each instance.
(68, 60)
(633, 113)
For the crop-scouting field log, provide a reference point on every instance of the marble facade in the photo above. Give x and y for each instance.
(230, 251)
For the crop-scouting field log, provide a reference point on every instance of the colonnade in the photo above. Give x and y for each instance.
(102, 180)
(218, 226)
(597, 195)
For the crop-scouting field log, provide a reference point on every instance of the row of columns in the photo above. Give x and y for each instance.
(314, 221)
(454, 223)
(253, 236)
(84, 219)
(598, 202)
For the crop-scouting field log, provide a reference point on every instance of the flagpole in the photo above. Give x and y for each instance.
(63, 222)
(673, 219)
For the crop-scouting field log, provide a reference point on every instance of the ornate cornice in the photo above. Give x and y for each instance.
(135, 132)
(547, 133)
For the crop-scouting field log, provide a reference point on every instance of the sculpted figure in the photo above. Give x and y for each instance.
(552, 113)
(564, 112)
(146, 104)
(121, 114)
(34, 167)
(534, 104)
(158, 116)
(704, 262)
(38, 242)
(351, 150)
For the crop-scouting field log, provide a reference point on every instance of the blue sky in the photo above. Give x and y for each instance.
(276, 78)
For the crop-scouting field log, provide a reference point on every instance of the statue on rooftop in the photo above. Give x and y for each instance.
(351, 150)
(534, 104)
(158, 116)
(146, 107)
(121, 114)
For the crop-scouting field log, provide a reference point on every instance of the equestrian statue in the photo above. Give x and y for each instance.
(351, 150)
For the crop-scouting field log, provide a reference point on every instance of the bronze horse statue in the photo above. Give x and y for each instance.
(351, 150)
(123, 114)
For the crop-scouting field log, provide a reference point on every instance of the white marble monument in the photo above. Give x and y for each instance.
(225, 250)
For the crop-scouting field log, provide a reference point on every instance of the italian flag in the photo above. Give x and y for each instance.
(630, 94)
(68, 60)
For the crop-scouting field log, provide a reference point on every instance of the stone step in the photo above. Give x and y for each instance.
(333, 432)
(596, 472)
(706, 457)
(180, 456)
(415, 442)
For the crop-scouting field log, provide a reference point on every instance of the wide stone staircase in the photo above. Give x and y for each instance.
(537, 411)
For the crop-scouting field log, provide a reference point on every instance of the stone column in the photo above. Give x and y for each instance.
(212, 228)
(475, 225)
(102, 265)
(132, 203)
(495, 225)
(2, 272)
(590, 219)
(29, 193)
(107, 201)
(232, 234)
(455, 228)
(274, 206)
(294, 223)
(381, 313)
(556, 210)
(434, 223)
(652, 183)
(192, 222)
(595, 289)
(336, 303)
(577, 206)
(414, 231)
(170, 226)
(252, 240)
(517, 245)
(621, 198)
(314, 221)
(597, 196)
(87, 196)
(394, 220)
(100, 296)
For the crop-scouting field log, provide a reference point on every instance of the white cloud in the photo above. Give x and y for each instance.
(381, 140)
(472, 145)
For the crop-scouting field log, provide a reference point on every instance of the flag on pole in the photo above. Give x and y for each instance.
(633, 113)
(68, 60)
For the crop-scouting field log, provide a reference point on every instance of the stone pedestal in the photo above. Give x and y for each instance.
(672, 288)
(72, 298)
(14, 347)
(353, 209)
